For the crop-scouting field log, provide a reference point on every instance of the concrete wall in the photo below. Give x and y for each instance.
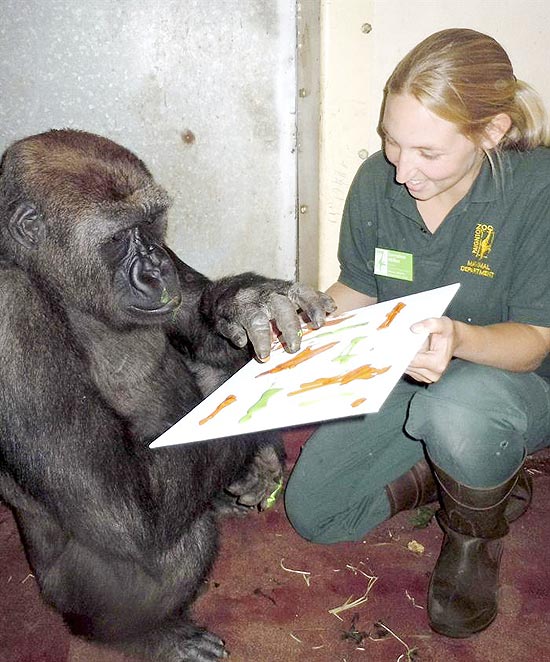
(202, 90)
(206, 92)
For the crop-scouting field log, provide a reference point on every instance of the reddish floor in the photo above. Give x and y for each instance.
(271, 593)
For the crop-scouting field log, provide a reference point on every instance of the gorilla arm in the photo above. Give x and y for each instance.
(242, 308)
(238, 309)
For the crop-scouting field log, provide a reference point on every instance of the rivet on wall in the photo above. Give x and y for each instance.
(187, 137)
(366, 28)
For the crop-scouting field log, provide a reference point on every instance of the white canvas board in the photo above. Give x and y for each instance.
(346, 368)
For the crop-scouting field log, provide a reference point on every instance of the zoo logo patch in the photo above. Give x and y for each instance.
(484, 238)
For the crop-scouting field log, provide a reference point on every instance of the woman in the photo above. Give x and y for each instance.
(461, 193)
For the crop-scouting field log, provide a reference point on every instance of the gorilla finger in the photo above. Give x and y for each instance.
(283, 312)
(232, 331)
(258, 327)
(243, 486)
(226, 504)
(252, 498)
(316, 305)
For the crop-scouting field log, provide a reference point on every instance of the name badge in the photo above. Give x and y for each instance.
(393, 264)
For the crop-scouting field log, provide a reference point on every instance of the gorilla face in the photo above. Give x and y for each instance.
(145, 283)
(96, 237)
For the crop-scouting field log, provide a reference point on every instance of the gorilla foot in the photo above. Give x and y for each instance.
(202, 647)
(183, 643)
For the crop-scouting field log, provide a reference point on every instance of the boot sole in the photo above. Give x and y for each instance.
(460, 633)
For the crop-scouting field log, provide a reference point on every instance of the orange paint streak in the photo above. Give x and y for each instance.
(228, 401)
(392, 315)
(358, 402)
(278, 345)
(304, 355)
(328, 322)
(332, 322)
(363, 372)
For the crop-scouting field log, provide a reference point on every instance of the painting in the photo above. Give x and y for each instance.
(346, 368)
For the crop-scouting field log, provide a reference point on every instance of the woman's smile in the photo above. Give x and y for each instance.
(431, 157)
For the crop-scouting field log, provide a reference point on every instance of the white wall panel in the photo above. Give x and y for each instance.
(362, 41)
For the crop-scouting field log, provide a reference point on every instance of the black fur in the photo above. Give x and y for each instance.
(120, 537)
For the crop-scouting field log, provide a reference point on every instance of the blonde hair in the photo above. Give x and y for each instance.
(466, 78)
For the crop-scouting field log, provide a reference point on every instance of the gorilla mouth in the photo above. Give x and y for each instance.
(153, 289)
(166, 308)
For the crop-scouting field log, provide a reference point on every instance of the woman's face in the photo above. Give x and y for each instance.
(431, 158)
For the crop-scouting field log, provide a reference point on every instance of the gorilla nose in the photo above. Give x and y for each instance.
(145, 276)
(150, 268)
(145, 250)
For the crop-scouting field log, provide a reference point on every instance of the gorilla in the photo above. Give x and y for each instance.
(106, 340)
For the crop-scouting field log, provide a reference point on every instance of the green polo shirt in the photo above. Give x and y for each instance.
(495, 241)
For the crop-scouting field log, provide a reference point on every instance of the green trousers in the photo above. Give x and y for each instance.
(476, 423)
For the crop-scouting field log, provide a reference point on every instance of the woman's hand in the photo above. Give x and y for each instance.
(432, 360)
(507, 345)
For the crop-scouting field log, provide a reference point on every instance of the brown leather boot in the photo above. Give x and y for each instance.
(413, 489)
(417, 487)
(462, 598)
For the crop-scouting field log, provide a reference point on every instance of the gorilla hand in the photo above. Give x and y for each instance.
(246, 310)
(264, 478)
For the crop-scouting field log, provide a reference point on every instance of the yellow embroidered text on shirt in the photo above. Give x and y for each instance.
(478, 268)
(484, 238)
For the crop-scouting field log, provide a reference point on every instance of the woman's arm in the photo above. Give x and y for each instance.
(348, 299)
(508, 345)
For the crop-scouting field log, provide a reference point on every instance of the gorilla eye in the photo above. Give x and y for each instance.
(118, 236)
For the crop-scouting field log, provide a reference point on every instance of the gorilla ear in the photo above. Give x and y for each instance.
(27, 227)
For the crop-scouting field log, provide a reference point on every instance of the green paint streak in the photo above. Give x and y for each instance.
(272, 498)
(260, 404)
(348, 354)
(340, 329)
